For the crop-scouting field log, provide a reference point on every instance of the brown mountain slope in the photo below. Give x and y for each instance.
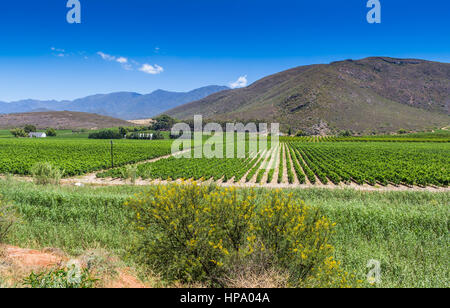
(374, 94)
(60, 120)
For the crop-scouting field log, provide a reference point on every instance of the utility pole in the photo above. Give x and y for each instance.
(112, 154)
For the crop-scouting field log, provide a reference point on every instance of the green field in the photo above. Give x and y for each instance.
(373, 163)
(314, 160)
(377, 162)
(435, 136)
(408, 232)
(75, 156)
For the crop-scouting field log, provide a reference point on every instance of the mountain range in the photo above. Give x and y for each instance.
(377, 94)
(371, 95)
(122, 105)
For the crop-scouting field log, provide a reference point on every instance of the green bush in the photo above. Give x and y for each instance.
(106, 134)
(18, 132)
(46, 173)
(345, 133)
(158, 136)
(203, 234)
(301, 133)
(130, 172)
(64, 278)
(50, 132)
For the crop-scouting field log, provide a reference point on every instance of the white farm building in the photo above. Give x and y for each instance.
(37, 135)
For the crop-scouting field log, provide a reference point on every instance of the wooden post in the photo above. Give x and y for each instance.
(112, 154)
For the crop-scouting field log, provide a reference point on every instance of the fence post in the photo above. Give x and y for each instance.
(112, 154)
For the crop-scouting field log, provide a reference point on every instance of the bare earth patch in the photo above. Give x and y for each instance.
(93, 180)
(17, 263)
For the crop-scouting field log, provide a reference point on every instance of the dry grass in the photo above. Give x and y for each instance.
(248, 278)
(257, 272)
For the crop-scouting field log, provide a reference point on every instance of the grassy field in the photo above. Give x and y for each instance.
(408, 232)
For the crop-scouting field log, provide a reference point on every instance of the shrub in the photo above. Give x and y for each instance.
(61, 278)
(18, 132)
(301, 133)
(106, 134)
(130, 172)
(50, 132)
(158, 136)
(192, 233)
(345, 133)
(7, 219)
(46, 173)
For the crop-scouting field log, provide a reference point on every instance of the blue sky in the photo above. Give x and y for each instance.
(180, 45)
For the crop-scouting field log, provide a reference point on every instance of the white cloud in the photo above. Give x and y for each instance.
(130, 64)
(106, 57)
(59, 52)
(57, 49)
(151, 69)
(240, 83)
(122, 60)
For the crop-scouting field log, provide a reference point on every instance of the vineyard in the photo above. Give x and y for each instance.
(75, 156)
(374, 163)
(440, 136)
(296, 163)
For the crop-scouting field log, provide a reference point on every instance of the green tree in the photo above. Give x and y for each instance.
(290, 131)
(29, 128)
(50, 132)
(123, 131)
(163, 122)
(106, 134)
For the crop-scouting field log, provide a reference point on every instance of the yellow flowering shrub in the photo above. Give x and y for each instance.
(197, 233)
(297, 237)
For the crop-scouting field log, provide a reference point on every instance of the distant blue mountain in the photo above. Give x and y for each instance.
(122, 105)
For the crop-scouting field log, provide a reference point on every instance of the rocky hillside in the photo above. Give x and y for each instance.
(60, 120)
(376, 94)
